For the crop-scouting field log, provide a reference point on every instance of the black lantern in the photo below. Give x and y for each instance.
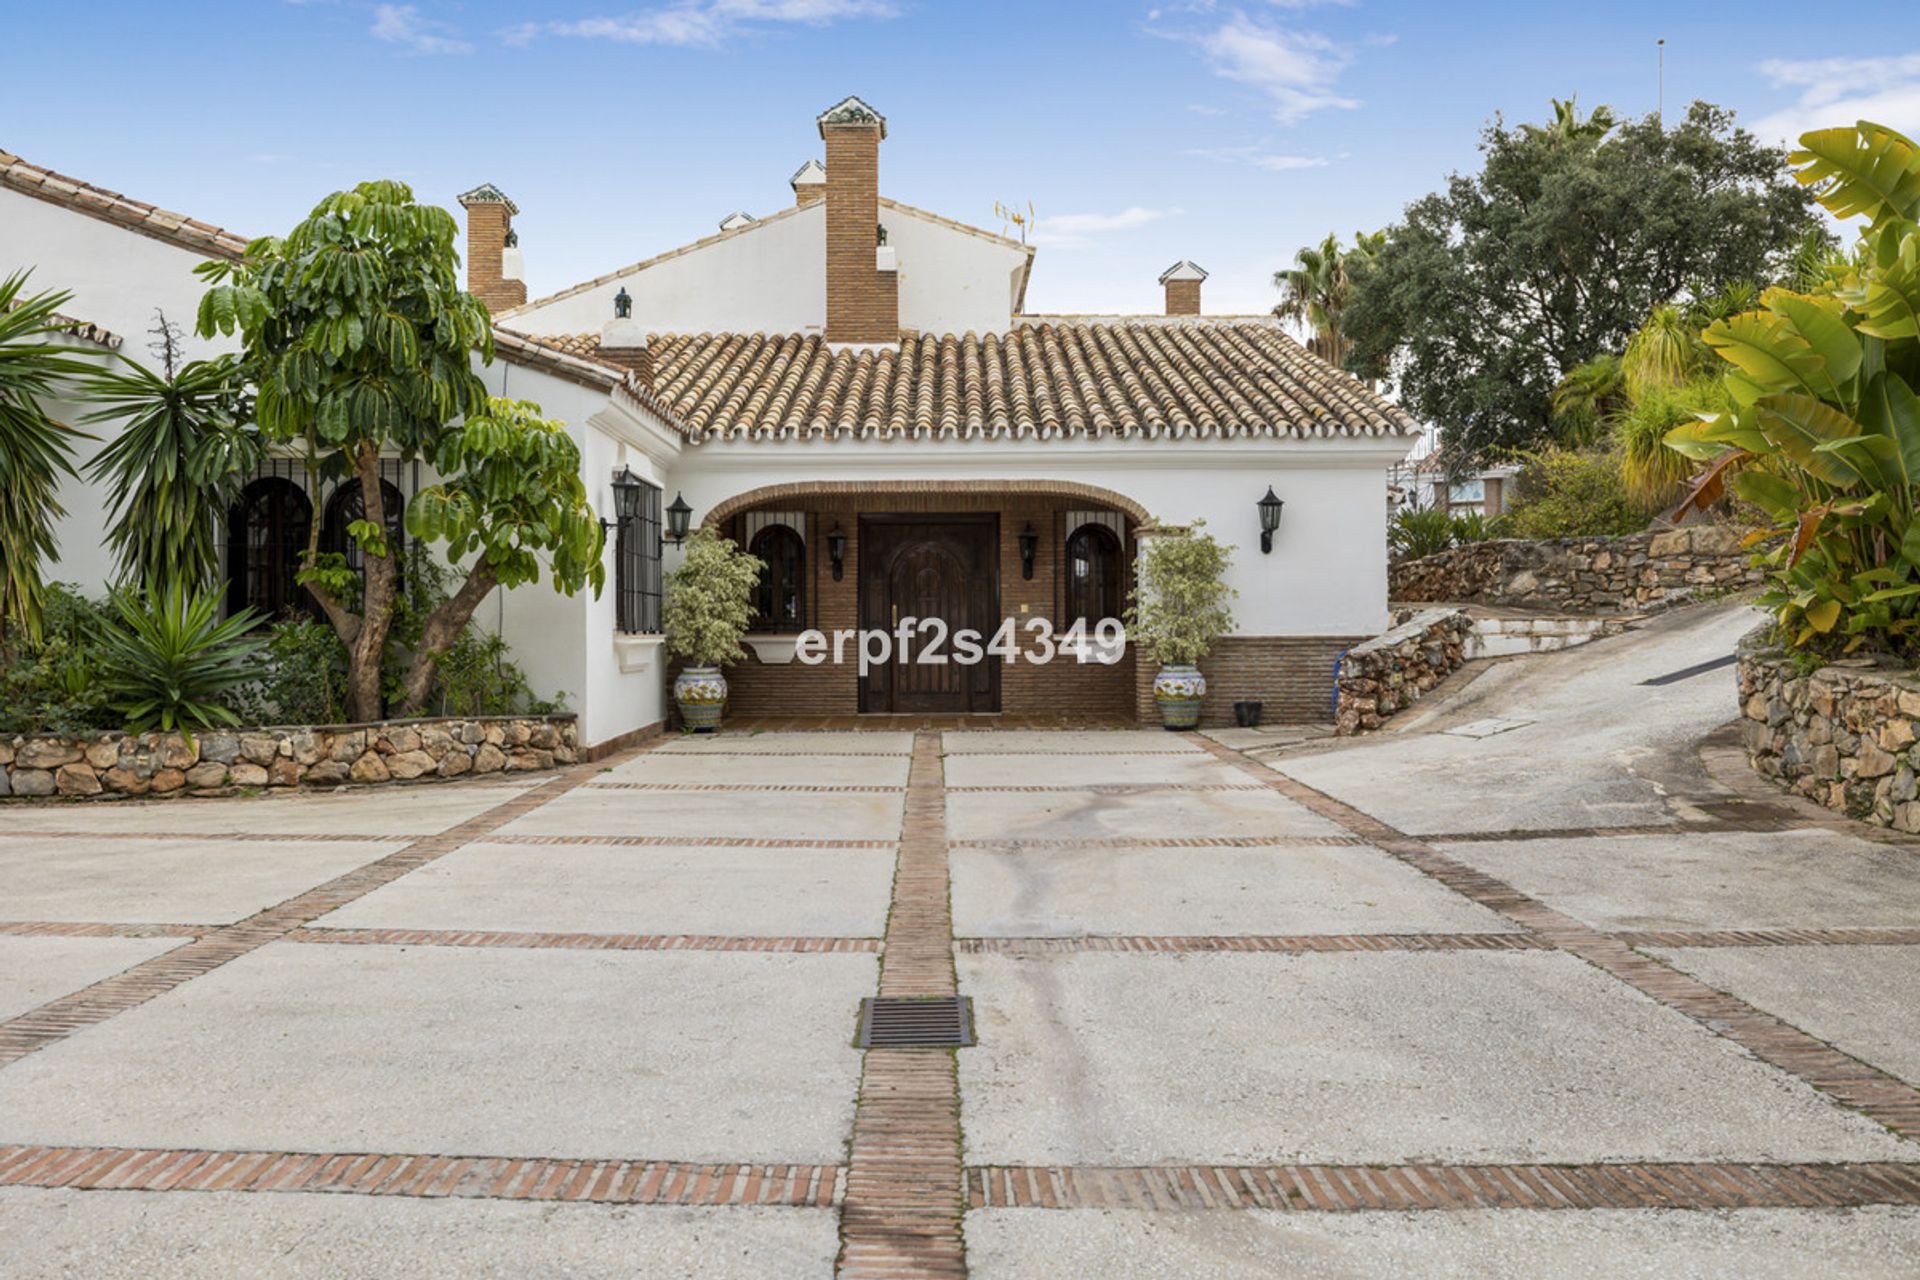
(626, 498)
(1029, 546)
(1269, 520)
(837, 552)
(622, 304)
(679, 516)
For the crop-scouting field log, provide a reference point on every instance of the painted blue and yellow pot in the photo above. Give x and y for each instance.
(701, 695)
(1178, 691)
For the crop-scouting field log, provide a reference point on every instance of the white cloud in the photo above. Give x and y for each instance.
(1259, 158)
(1297, 70)
(1839, 91)
(1077, 230)
(402, 24)
(705, 22)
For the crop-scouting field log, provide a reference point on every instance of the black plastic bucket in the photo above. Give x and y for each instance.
(1246, 714)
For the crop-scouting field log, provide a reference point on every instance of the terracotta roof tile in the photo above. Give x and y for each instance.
(1126, 379)
(110, 206)
(86, 330)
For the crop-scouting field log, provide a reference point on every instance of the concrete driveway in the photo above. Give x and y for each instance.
(1519, 989)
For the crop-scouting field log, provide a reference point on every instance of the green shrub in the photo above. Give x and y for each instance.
(476, 676)
(709, 602)
(173, 664)
(1181, 605)
(54, 685)
(1418, 532)
(1566, 493)
(1471, 526)
(301, 677)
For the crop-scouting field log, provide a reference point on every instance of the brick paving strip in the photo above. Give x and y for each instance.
(218, 945)
(698, 842)
(737, 786)
(1004, 844)
(803, 945)
(904, 1185)
(1874, 1093)
(1118, 788)
(101, 929)
(1516, 941)
(661, 1182)
(1400, 1188)
(253, 837)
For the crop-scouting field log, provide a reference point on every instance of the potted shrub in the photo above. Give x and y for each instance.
(708, 606)
(1178, 610)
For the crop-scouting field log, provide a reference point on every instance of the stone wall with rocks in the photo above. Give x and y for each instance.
(1582, 575)
(1393, 670)
(160, 764)
(1842, 736)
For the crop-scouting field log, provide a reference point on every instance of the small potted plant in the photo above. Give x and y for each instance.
(708, 606)
(1178, 610)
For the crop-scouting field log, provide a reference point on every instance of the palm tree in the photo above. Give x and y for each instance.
(1567, 127)
(1314, 292)
(1586, 396)
(34, 447)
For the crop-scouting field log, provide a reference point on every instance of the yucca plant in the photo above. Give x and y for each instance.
(34, 447)
(176, 662)
(1823, 432)
(1418, 532)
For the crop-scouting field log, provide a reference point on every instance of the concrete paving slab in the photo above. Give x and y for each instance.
(1093, 815)
(36, 970)
(821, 743)
(824, 770)
(1206, 892)
(1365, 1057)
(425, 809)
(156, 1236)
(699, 1056)
(1602, 1244)
(1067, 769)
(166, 881)
(1052, 741)
(1859, 999)
(744, 815)
(650, 889)
(1730, 880)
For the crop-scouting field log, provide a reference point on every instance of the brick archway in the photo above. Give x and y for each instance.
(729, 507)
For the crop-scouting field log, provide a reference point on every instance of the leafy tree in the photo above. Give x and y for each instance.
(1182, 605)
(35, 448)
(1822, 432)
(176, 464)
(1493, 289)
(1569, 493)
(1315, 290)
(709, 602)
(359, 342)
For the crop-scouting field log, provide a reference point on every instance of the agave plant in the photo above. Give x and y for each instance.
(1418, 532)
(176, 661)
(1823, 429)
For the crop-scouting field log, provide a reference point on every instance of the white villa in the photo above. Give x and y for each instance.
(853, 389)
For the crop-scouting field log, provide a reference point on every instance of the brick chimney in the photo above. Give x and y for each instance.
(623, 341)
(494, 268)
(809, 183)
(1182, 280)
(863, 282)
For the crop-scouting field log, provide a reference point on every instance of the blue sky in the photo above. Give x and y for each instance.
(1230, 134)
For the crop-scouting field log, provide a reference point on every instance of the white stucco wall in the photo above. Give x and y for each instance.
(1326, 576)
(772, 278)
(117, 279)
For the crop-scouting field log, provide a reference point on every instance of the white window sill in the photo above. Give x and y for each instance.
(637, 652)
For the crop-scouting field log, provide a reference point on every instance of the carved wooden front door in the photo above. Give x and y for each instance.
(941, 568)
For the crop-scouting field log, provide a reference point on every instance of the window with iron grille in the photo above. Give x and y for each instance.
(636, 567)
(780, 598)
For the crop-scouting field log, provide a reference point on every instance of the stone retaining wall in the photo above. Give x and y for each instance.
(1842, 736)
(1393, 670)
(1582, 575)
(108, 764)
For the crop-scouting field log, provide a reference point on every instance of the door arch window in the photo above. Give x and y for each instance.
(346, 505)
(780, 599)
(1094, 576)
(267, 532)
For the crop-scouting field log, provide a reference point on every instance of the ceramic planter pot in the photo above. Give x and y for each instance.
(1177, 691)
(701, 695)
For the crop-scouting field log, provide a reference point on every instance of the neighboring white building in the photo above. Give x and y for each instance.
(852, 388)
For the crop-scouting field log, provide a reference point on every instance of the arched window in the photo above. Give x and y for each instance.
(346, 505)
(266, 536)
(780, 601)
(1094, 577)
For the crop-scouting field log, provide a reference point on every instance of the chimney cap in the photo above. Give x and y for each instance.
(487, 193)
(736, 220)
(812, 173)
(1183, 270)
(850, 110)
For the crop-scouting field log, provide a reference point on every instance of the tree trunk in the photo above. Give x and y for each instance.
(369, 644)
(442, 628)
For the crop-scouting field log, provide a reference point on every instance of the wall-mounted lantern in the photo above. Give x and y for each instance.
(623, 304)
(837, 552)
(679, 518)
(1269, 519)
(626, 498)
(1029, 546)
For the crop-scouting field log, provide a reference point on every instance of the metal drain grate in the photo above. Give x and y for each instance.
(1687, 673)
(899, 1022)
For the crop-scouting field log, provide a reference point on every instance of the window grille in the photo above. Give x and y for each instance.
(636, 567)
